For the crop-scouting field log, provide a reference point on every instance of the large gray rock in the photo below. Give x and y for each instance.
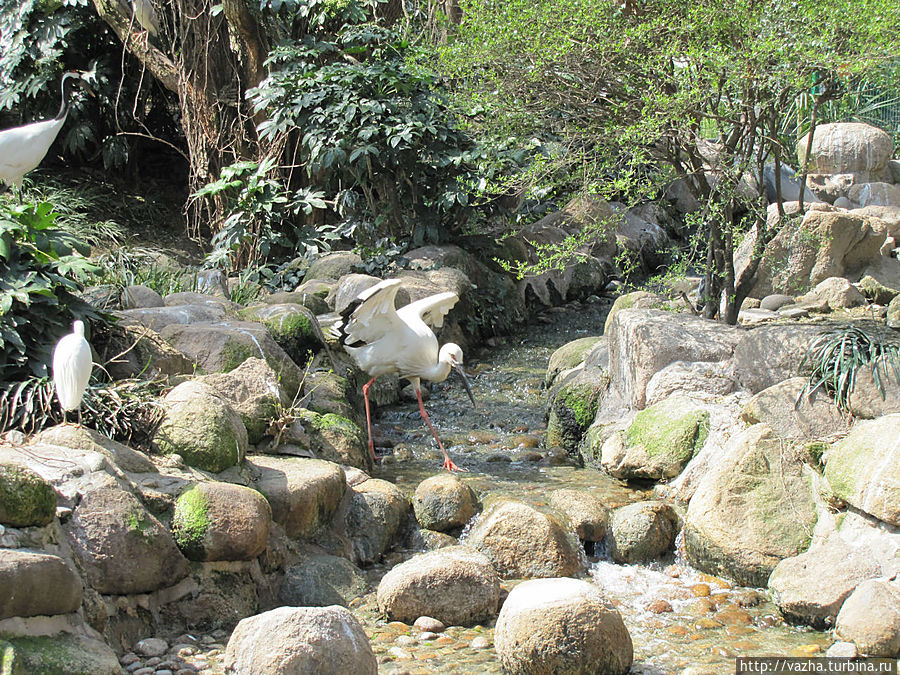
(90, 441)
(331, 437)
(304, 493)
(752, 509)
(866, 401)
(333, 265)
(522, 542)
(254, 391)
(319, 580)
(120, 547)
(811, 587)
(827, 243)
(561, 626)
(221, 521)
(767, 355)
(35, 584)
(202, 427)
(870, 618)
(143, 353)
(456, 585)
(299, 641)
(136, 296)
(683, 377)
(643, 342)
(223, 346)
(836, 293)
(847, 147)
(373, 518)
(444, 502)
(587, 514)
(158, 318)
(792, 416)
(642, 531)
(26, 499)
(863, 468)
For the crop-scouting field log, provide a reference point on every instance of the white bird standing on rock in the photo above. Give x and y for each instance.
(72, 364)
(22, 148)
(384, 340)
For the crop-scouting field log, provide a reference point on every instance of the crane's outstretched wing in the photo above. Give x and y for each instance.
(432, 309)
(371, 316)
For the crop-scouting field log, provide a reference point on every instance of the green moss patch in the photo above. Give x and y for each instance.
(26, 499)
(672, 430)
(61, 654)
(190, 522)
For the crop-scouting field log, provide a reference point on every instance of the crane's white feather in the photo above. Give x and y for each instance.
(72, 363)
(23, 148)
(382, 339)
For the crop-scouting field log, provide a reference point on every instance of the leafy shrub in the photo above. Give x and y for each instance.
(39, 269)
(262, 216)
(836, 356)
(371, 129)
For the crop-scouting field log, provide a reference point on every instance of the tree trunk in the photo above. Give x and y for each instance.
(209, 60)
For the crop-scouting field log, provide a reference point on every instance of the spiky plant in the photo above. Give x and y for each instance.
(126, 410)
(836, 356)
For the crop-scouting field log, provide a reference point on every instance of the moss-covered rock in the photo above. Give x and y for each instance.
(293, 326)
(202, 427)
(893, 313)
(327, 392)
(568, 356)
(752, 509)
(573, 405)
(876, 292)
(221, 521)
(638, 299)
(863, 468)
(334, 438)
(659, 442)
(254, 391)
(190, 522)
(26, 499)
(63, 654)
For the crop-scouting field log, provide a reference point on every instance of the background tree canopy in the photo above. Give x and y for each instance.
(296, 125)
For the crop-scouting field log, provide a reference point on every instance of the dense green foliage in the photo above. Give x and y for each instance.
(637, 95)
(39, 269)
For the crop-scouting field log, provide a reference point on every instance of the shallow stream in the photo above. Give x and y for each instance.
(677, 616)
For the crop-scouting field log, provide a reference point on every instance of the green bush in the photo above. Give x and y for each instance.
(40, 266)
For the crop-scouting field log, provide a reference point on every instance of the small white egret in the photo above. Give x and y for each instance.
(145, 14)
(384, 340)
(22, 148)
(72, 364)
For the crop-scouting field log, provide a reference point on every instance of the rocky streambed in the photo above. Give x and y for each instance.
(677, 617)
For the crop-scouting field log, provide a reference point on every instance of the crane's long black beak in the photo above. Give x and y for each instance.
(465, 379)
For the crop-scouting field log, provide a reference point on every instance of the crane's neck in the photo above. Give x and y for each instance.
(66, 97)
(439, 371)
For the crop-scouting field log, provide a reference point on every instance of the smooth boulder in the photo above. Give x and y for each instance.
(300, 641)
(444, 502)
(561, 627)
(642, 531)
(456, 585)
(523, 542)
(35, 584)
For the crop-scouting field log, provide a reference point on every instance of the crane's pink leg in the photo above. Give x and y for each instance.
(369, 419)
(448, 463)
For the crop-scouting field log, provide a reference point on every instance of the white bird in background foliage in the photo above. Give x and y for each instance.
(384, 340)
(72, 364)
(145, 14)
(22, 148)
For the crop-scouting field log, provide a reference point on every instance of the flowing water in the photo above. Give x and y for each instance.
(677, 616)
